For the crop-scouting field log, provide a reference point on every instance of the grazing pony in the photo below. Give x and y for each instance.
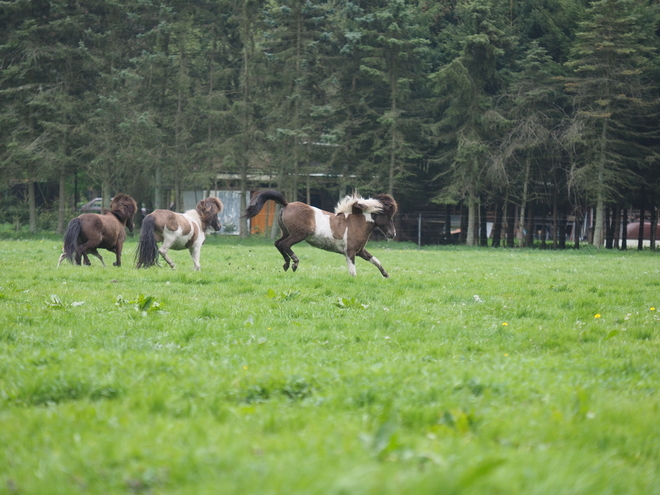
(90, 231)
(346, 231)
(177, 231)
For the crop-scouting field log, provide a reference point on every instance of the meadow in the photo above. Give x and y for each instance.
(469, 371)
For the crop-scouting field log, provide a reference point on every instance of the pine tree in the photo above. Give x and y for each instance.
(527, 157)
(469, 123)
(609, 60)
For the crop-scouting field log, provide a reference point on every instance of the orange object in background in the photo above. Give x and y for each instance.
(263, 222)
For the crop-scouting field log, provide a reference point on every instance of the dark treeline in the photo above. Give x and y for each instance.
(478, 104)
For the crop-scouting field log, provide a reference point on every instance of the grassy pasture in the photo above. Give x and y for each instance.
(470, 371)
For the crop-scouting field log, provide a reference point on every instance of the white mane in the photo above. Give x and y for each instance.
(370, 205)
(193, 215)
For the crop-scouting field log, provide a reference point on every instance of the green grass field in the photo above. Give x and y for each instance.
(469, 371)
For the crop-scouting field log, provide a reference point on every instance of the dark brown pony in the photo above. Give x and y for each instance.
(91, 231)
(346, 231)
(177, 231)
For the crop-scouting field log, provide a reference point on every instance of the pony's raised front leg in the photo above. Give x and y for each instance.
(364, 254)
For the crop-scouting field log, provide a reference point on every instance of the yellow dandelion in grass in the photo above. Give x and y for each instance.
(505, 324)
(652, 309)
(597, 315)
(245, 367)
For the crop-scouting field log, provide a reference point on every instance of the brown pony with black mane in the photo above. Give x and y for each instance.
(346, 231)
(91, 231)
(177, 231)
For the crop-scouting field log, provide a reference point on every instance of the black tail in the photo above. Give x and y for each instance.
(71, 239)
(260, 199)
(147, 250)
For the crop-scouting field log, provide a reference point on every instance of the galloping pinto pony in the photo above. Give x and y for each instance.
(346, 231)
(177, 231)
(90, 231)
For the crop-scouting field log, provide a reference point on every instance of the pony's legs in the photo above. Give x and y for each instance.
(94, 252)
(364, 254)
(280, 248)
(167, 244)
(62, 256)
(284, 243)
(163, 253)
(87, 247)
(117, 252)
(283, 252)
(194, 254)
(350, 261)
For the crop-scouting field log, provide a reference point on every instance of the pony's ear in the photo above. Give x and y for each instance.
(358, 208)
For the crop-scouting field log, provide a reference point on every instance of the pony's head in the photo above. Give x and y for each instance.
(208, 210)
(124, 207)
(385, 219)
(381, 207)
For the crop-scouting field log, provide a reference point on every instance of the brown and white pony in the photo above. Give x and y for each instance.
(177, 231)
(346, 231)
(91, 231)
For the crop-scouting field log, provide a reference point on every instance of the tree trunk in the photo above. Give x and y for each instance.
(522, 240)
(578, 229)
(158, 188)
(464, 225)
(510, 224)
(483, 226)
(616, 227)
(561, 231)
(599, 222)
(654, 224)
(106, 193)
(497, 225)
(471, 239)
(609, 229)
(642, 215)
(447, 224)
(61, 209)
(543, 233)
(624, 229)
(529, 237)
(394, 136)
(32, 205)
(246, 39)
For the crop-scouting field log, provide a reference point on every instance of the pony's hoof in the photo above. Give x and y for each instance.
(285, 266)
(294, 267)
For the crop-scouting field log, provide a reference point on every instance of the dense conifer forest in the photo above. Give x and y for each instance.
(483, 107)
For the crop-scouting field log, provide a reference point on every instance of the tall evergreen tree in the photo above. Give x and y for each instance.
(394, 40)
(469, 123)
(610, 60)
(294, 39)
(528, 154)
